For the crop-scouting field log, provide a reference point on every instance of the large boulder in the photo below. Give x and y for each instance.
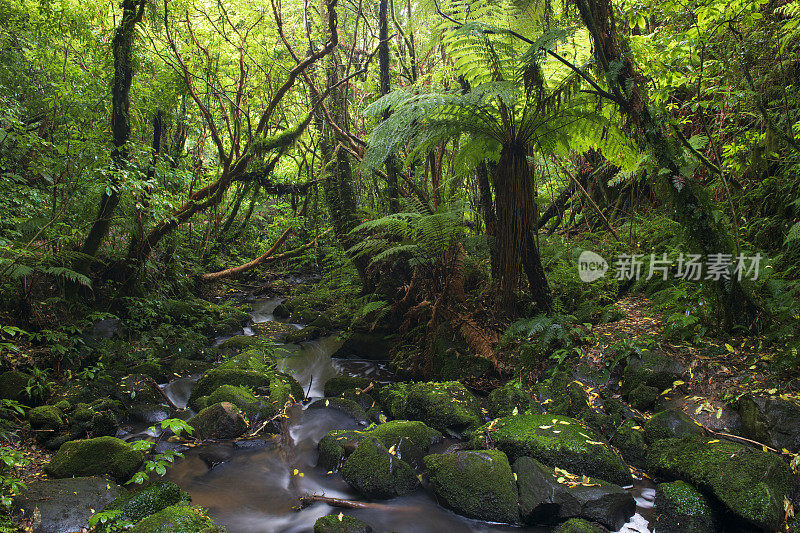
(95, 457)
(547, 496)
(751, 483)
(343, 405)
(773, 421)
(447, 406)
(377, 473)
(564, 395)
(556, 441)
(341, 523)
(241, 398)
(213, 379)
(219, 421)
(671, 424)
(63, 505)
(652, 369)
(578, 525)
(180, 518)
(502, 401)
(476, 484)
(628, 438)
(46, 417)
(681, 508)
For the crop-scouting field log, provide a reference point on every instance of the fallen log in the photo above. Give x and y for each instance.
(310, 499)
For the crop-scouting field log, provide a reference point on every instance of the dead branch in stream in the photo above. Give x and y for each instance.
(311, 499)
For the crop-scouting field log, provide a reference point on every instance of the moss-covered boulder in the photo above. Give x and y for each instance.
(773, 421)
(365, 345)
(240, 343)
(214, 379)
(180, 518)
(671, 424)
(376, 473)
(681, 508)
(93, 457)
(243, 399)
(12, 387)
(46, 417)
(476, 484)
(628, 438)
(296, 336)
(502, 401)
(348, 407)
(140, 504)
(564, 395)
(284, 388)
(218, 421)
(137, 389)
(547, 496)
(186, 367)
(341, 523)
(447, 406)
(578, 525)
(651, 368)
(336, 385)
(643, 397)
(751, 483)
(556, 441)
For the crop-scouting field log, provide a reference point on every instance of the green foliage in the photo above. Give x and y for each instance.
(11, 460)
(159, 463)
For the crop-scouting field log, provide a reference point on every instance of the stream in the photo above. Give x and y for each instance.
(254, 488)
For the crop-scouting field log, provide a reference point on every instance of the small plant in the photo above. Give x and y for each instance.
(159, 462)
(10, 485)
(108, 522)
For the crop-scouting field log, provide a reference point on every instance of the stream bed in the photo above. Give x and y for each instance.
(253, 486)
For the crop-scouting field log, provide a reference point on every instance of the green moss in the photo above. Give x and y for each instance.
(335, 386)
(341, 523)
(214, 379)
(185, 367)
(556, 441)
(376, 473)
(393, 399)
(240, 343)
(148, 500)
(503, 400)
(476, 484)
(179, 518)
(82, 414)
(447, 406)
(331, 448)
(348, 407)
(750, 482)
(671, 423)
(12, 386)
(629, 440)
(284, 388)
(46, 416)
(681, 508)
(64, 405)
(93, 457)
(240, 397)
(578, 525)
(301, 335)
(567, 397)
(417, 432)
(218, 421)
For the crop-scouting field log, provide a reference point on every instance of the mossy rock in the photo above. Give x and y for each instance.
(337, 385)
(629, 440)
(302, 335)
(282, 311)
(671, 423)
(681, 508)
(578, 525)
(239, 343)
(341, 523)
(138, 388)
(774, 421)
(284, 388)
(556, 441)
(476, 484)
(104, 423)
(566, 396)
(348, 407)
(148, 500)
(365, 345)
(751, 483)
(336, 445)
(213, 379)
(643, 397)
(180, 518)
(12, 387)
(82, 413)
(241, 398)
(393, 399)
(273, 331)
(652, 369)
(218, 421)
(503, 400)
(376, 473)
(186, 367)
(154, 369)
(46, 417)
(95, 457)
(446, 406)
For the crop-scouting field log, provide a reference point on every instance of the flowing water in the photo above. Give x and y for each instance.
(254, 489)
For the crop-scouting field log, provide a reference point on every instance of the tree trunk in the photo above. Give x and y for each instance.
(489, 219)
(385, 86)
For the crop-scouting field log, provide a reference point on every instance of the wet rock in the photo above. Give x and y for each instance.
(681, 508)
(447, 406)
(503, 400)
(671, 423)
(148, 413)
(341, 523)
(64, 505)
(104, 423)
(141, 503)
(390, 433)
(302, 335)
(240, 343)
(547, 496)
(556, 441)
(476, 484)
(252, 444)
(241, 398)
(577, 525)
(181, 518)
(98, 456)
(281, 311)
(751, 483)
(643, 397)
(629, 440)
(376, 473)
(214, 456)
(772, 421)
(348, 407)
(108, 328)
(219, 421)
(335, 386)
(283, 388)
